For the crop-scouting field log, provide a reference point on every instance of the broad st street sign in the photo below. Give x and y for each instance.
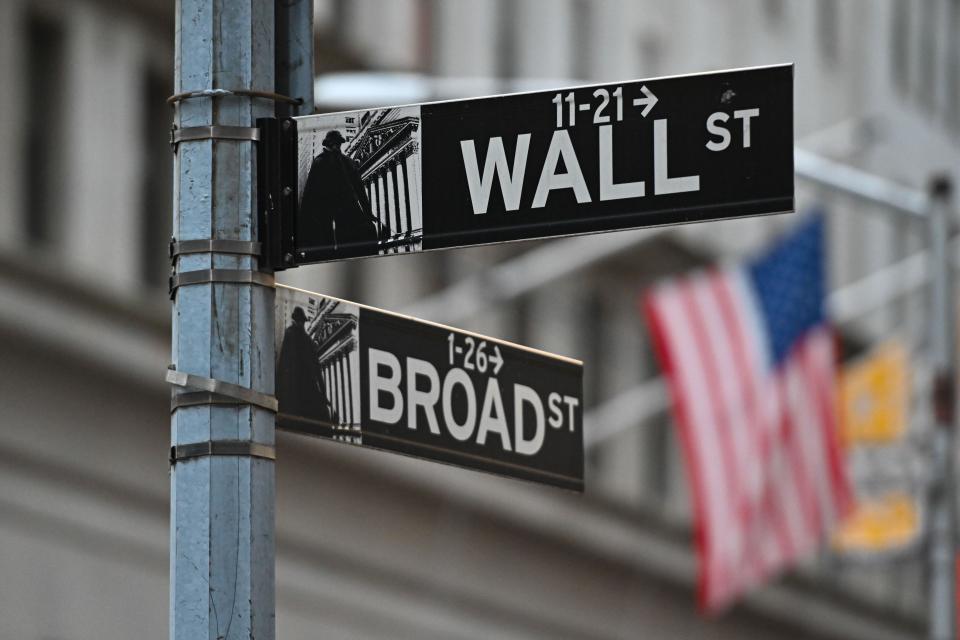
(378, 379)
(581, 160)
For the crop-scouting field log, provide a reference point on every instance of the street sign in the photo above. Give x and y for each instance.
(534, 165)
(377, 379)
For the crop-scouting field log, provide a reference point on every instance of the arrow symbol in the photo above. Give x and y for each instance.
(498, 360)
(648, 101)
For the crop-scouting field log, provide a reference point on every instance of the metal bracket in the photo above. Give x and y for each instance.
(222, 448)
(213, 132)
(277, 204)
(233, 276)
(235, 392)
(236, 247)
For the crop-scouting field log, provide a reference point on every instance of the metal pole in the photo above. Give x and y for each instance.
(222, 505)
(294, 55)
(942, 494)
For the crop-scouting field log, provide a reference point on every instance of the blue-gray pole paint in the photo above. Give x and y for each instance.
(222, 507)
(294, 62)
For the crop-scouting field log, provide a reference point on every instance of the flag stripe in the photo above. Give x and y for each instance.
(732, 407)
(780, 501)
(662, 347)
(811, 436)
(792, 435)
(766, 533)
(783, 472)
(702, 324)
(821, 361)
(703, 432)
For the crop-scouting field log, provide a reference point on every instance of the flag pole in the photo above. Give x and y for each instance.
(942, 548)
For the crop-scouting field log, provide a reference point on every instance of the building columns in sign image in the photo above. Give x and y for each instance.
(387, 148)
(360, 171)
(318, 368)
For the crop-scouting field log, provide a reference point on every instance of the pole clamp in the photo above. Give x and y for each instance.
(228, 276)
(213, 132)
(221, 448)
(200, 398)
(235, 247)
(220, 93)
(232, 392)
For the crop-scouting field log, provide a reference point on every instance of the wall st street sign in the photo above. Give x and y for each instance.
(378, 379)
(581, 160)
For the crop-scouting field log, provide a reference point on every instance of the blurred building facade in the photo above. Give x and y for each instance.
(371, 545)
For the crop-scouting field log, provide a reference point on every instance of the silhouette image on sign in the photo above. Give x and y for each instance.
(359, 183)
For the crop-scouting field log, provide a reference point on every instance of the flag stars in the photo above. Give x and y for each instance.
(789, 281)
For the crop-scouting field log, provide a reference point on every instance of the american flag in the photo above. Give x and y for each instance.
(750, 361)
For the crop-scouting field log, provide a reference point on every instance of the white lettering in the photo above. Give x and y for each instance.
(427, 399)
(389, 384)
(745, 115)
(460, 431)
(718, 130)
(489, 423)
(572, 403)
(608, 189)
(662, 183)
(523, 394)
(556, 416)
(560, 145)
(511, 183)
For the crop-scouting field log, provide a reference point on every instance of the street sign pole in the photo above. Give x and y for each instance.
(943, 511)
(222, 476)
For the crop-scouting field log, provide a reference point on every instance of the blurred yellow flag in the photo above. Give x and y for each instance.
(889, 522)
(874, 397)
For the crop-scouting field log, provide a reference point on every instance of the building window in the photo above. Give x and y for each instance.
(659, 441)
(773, 9)
(928, 53)
(650, 52)
(900, 46)
(341, 19)
(953, 65)
(828, 30)
(581, 25)
(594, 316)
(427, 36)
(156, 181)
(506, 42)
(354, 279)
(44, 170)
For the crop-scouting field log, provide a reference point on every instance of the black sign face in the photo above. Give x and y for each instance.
(580, 160)
(377, 379)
